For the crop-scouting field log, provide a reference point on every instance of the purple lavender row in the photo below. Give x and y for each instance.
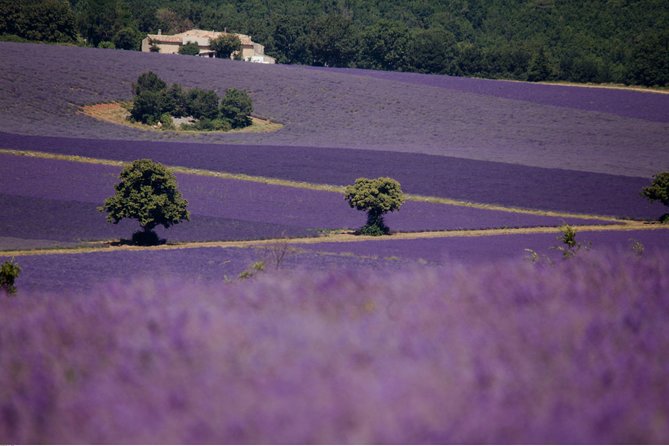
(510, 353)
(634, 104)
(328, 109)
(56, 200)
(477, 181)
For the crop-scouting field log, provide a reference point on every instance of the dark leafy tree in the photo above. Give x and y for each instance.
(540, 69)
(148, 81)
(148, 107)
(170, 22)
(659, 191)
(376, 197)
(649, 64)
(225, 45)
(190, 49)
(236, 107)
(9, 272)
(432, 51)
(148, 193)
(202, 104)
(333, 41)
(127, 39)
(100, 20)
(48, 21)
(385, 46)
(176, 102)
(291, 41)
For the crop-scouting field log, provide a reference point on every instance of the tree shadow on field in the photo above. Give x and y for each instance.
(141, 238)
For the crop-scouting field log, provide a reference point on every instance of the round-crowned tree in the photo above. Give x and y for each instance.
(148, 81)
(236, 107)
(376, 197)
(225, 45)
(659, 191)
(148, 193)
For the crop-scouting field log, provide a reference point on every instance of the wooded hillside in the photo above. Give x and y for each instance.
(622, 41)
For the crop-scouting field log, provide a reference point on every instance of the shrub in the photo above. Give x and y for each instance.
(148, 107)
(166, 121)
(237, 107)
(202, 103)
(148, 81)
(376, 197)
(147, 192)
(107, 44)
(190, 49)
(659, 191)
(568, 239)
(9, 272)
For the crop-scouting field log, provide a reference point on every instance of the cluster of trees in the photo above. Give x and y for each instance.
(156, 102)
(596, 41)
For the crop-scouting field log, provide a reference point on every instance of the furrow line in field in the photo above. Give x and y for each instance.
(316, 186)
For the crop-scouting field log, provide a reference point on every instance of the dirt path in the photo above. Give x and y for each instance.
(108, 246)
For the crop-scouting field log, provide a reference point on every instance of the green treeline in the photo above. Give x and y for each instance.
(621, 41)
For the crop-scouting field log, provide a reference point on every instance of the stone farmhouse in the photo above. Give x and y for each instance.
(170, 44)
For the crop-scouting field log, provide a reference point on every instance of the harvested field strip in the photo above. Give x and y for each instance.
(315, 186)
(335, 238)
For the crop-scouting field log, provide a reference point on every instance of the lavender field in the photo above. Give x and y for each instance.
(48, 200)
(507, 353)
(336, 110)
(455, 336)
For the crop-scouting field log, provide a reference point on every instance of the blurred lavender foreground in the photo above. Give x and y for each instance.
(577, 352)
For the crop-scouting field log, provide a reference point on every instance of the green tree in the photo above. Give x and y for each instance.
(148, 107)
(225, 45)
(190, 49)
(659, 191)
(385, 46)
(127, 38)
(649, 64)
(147, 192)
(100, 20)
(148, 81)
(432, 51)
(175, 101)
(170, 22)
(540, 69)
(291, 41)
(236, 107)
(333, 41)
(48, 21)
(9, 272)
(376, 197)
(202, 104)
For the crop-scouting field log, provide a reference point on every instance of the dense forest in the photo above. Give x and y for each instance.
(620, 41)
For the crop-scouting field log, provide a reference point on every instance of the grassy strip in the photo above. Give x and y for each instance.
(106, 246)
(315, 186)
